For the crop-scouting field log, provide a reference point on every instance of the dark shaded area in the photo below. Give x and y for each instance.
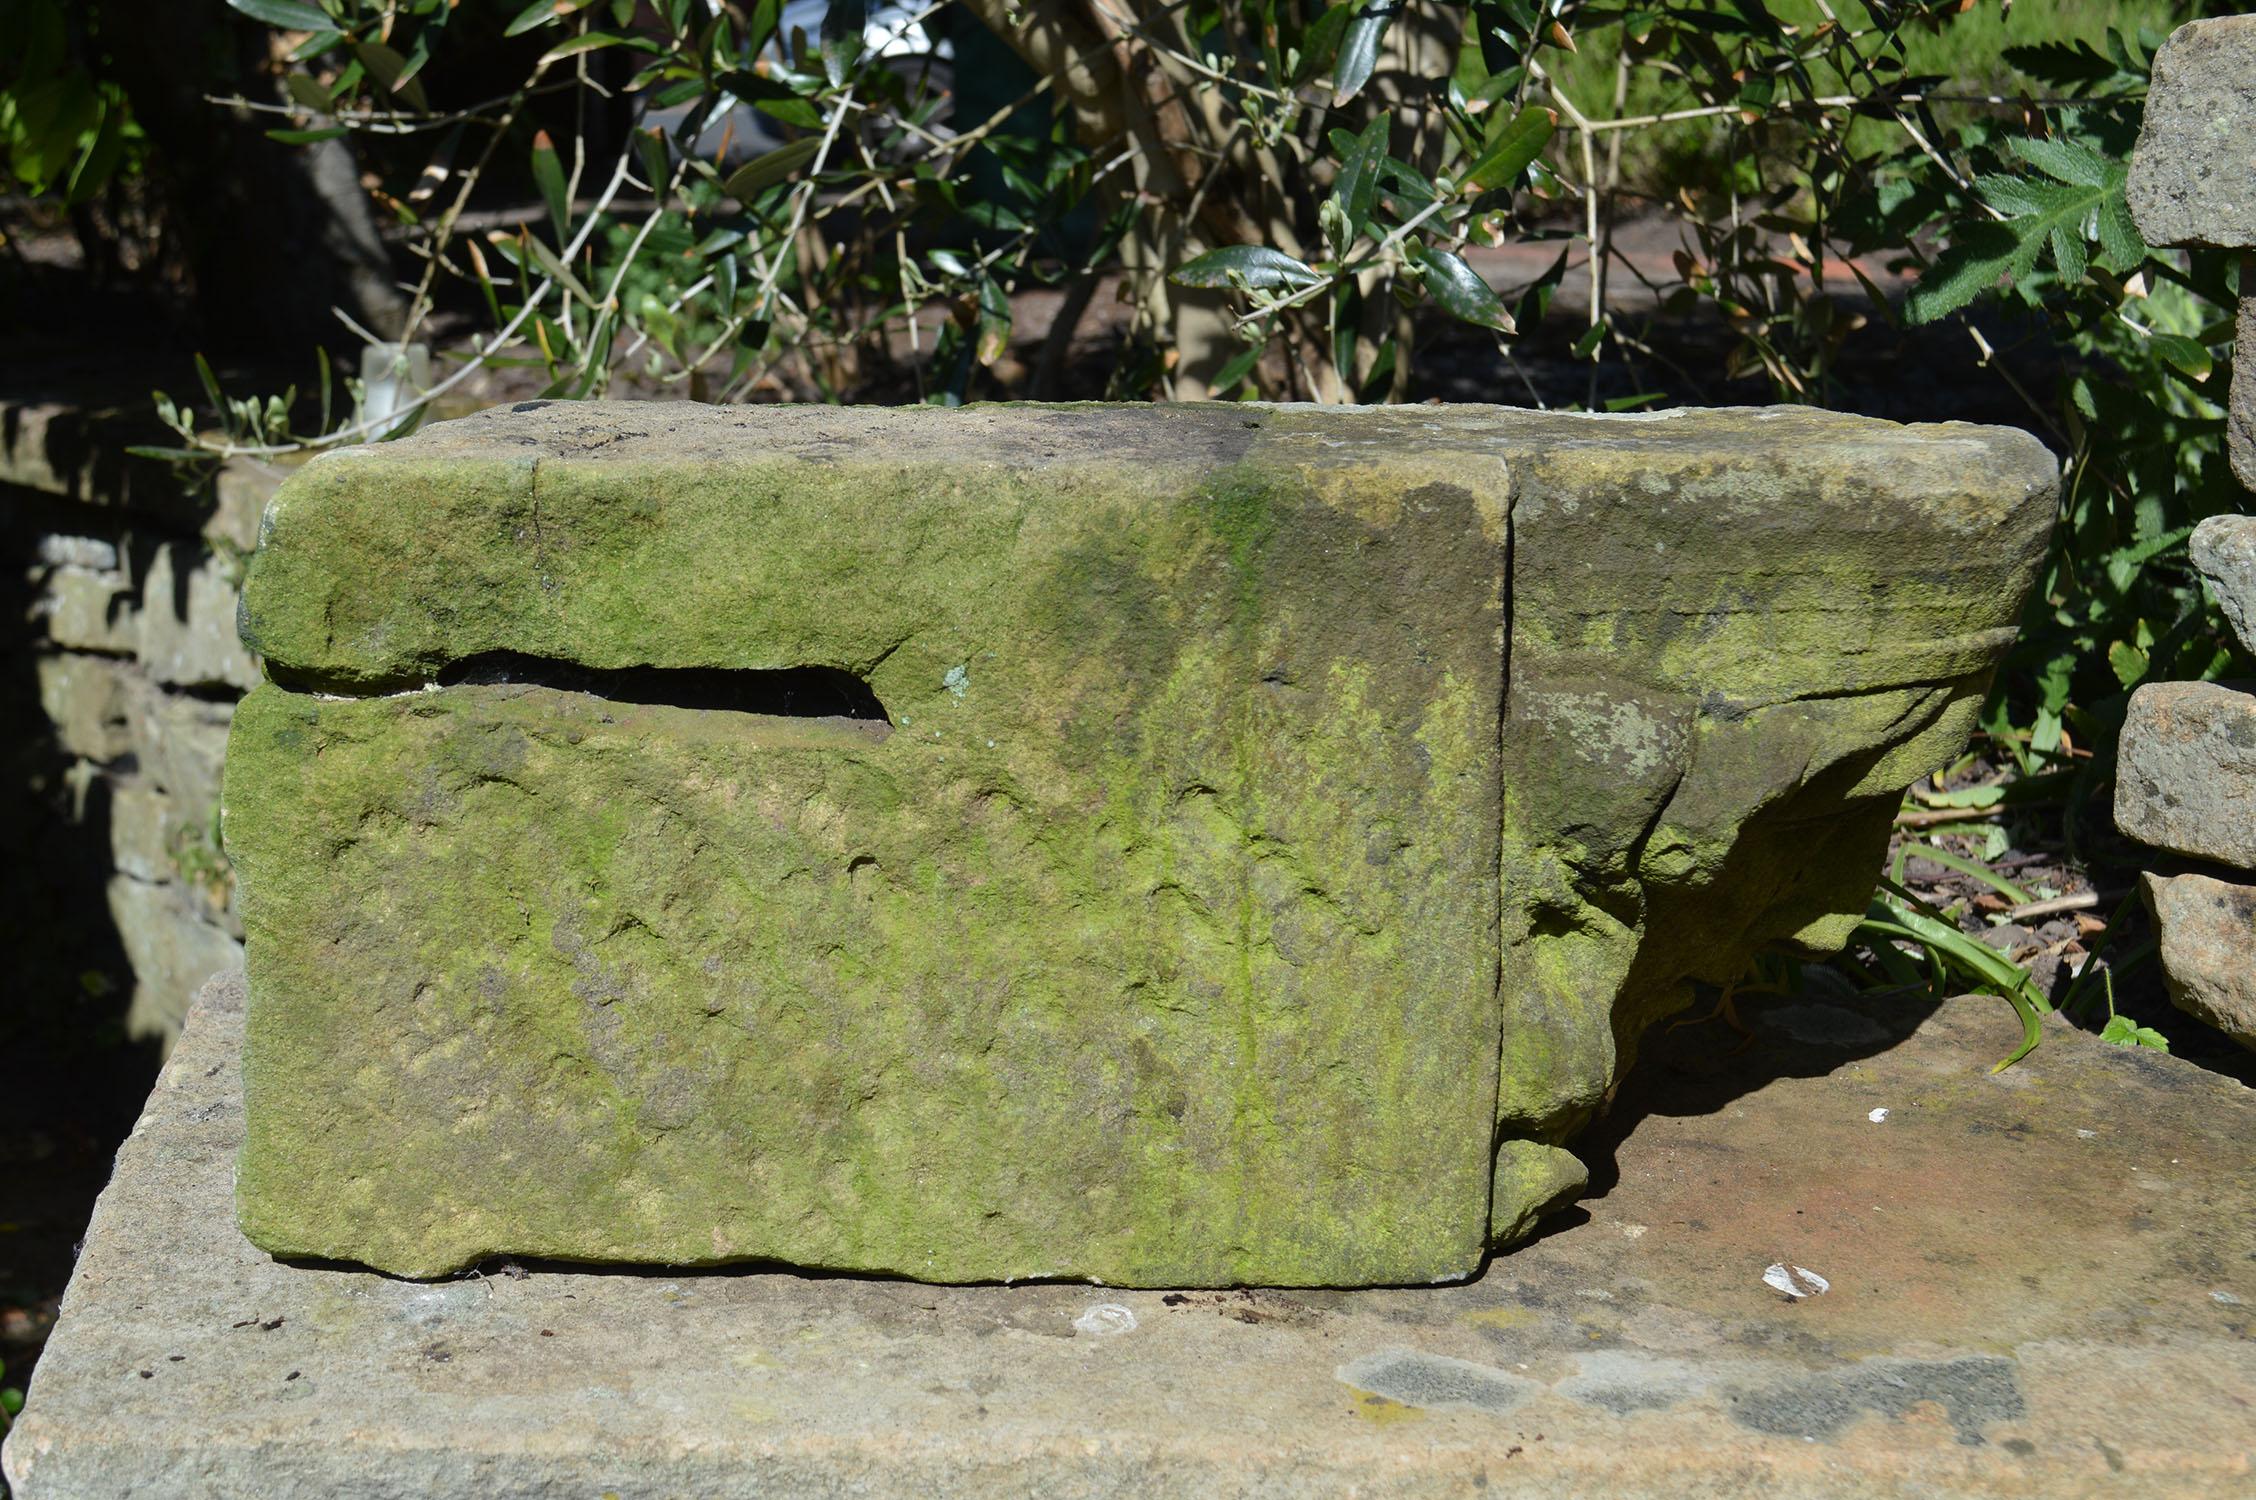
(70, 1083)
(788, 692)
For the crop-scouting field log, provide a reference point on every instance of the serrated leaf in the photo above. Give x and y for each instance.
(1357, 189)
(762, 172)
(1254, 266)
(1461, 291)
(1359, 47)
(288, 15)
(2071, 162)
(1511, 145)
(1973, 263)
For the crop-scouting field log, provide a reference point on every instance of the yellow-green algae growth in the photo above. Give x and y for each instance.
(1276, 812)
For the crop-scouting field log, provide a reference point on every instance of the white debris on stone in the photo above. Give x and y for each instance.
(1796, 1281)
(1105, 1319)
(1878, 1116)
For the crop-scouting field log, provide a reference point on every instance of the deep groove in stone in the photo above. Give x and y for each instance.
(789, 692)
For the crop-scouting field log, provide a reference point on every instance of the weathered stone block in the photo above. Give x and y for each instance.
(2186, 773)
(166, 938)
(187, 621)
(2207, 932)
(1096, 842)
(2224, 549)
(86, 698)
(89, 610)
(2193, 177)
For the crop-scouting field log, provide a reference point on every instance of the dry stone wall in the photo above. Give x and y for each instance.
(2186, 782)
(126, 634)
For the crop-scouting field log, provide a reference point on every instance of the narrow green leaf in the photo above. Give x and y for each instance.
(101, 156)
(555, 269)
(539, 13)
(1973, 869)
(210, 383)
(747, 181)
(1255, 266)
(994, 321)
(548, 176)
(1359, 47)
(1460, 290)
(305, 137)
(593, 41)
(1233, 374)
(1511, 144)
(288, 15)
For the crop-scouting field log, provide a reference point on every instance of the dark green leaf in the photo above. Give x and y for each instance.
(747, 181)
(308, 91)
(305, 137)
(842, 25)
(1319, 44)
(390, 69)
(1512, 144)
(1358, 186)
(776, 100)
(100, 158)
(2183, 353)
(1255, 266)
(289, 15)
(1359, 46)
(1460, 290)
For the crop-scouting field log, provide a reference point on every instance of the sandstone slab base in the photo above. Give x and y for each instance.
(2040, 1286)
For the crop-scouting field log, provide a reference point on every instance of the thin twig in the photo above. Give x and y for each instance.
(2081, 901)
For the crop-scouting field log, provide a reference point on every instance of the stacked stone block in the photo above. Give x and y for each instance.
(2186, 781)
